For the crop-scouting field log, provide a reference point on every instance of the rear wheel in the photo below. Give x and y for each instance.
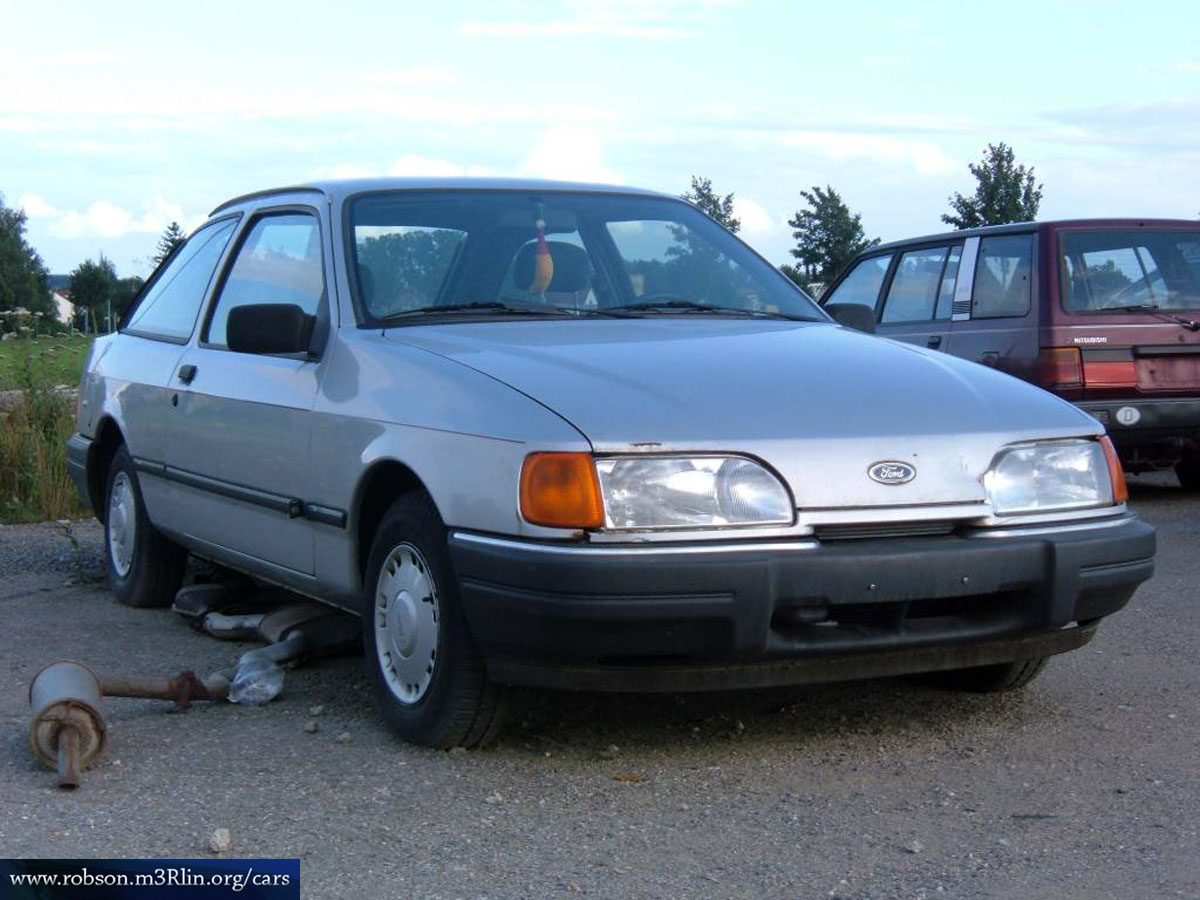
(1188, 472)
(144, 567)
(427, 676)
(995, 679)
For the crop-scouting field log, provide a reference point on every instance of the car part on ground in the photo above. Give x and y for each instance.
(68, 729)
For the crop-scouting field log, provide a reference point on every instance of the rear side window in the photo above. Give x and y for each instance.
(862, 285)
(1134, 268)
(913, 295)
(1003, 277)
(279, 261)
(170, 305)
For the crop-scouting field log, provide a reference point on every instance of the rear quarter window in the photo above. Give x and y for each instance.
(1003, 277)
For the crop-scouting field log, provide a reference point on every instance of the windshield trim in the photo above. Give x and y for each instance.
(365, 321)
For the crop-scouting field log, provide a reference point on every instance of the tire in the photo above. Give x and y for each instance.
(1188, 472)
(427, 677)
(145, 569)
(997, 679)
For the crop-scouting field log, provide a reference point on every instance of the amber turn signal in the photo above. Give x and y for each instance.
(561, 490)
(1115, 472)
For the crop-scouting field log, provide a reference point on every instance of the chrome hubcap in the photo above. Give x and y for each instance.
(406, 623)
(122, 524)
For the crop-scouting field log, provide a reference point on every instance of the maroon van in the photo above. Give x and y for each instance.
(1103, 312)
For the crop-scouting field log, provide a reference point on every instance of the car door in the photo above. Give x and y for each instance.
(918, 302)
(998, 327)
(240, 445)
(139, 364)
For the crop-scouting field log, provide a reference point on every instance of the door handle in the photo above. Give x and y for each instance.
(187, 373)
(934, 342)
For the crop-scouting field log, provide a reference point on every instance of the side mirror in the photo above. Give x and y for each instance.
(853, 315)
(269, 328)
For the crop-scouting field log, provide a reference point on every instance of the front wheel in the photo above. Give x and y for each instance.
(144, 567)
(426, 674)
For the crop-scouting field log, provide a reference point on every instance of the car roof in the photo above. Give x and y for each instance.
(1021, 227)
(341, 188)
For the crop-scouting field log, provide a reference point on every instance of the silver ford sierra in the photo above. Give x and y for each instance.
(583, 437)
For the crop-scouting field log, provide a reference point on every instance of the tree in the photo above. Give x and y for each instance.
(827, 237)
(23, 276)
(1005, 192)
(171, 238)
(720, 208)
(94, 288)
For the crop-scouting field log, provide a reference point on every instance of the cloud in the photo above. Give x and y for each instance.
(924, 156)
(755, 219)
(641, 19)
(571, 153)
(35, 206)
(108, 220)
(1184, 67)
(349, 170)
(413, 76)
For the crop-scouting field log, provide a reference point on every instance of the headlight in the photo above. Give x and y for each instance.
(1049, 477)
(690, 492)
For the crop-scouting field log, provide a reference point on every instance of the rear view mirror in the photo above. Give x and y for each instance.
(269, 328)
(853, 315)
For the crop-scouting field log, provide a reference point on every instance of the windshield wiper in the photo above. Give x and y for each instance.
(691, 306)
(1189, 324)
(486, 307)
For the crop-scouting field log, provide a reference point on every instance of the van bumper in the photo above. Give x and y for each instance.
(713, 616)
(1158, 421)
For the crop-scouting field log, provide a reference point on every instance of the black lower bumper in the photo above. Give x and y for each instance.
(713, 616)
(78, 450)
(1139, 424)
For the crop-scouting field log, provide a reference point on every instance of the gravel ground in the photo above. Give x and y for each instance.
(1087, 785)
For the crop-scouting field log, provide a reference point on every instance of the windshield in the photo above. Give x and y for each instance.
(509, 253)
(1133, 269)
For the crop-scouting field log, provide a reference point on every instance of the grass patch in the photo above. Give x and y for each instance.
(35, 425)
(44, 361)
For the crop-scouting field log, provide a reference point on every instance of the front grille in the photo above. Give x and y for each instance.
(869, 530)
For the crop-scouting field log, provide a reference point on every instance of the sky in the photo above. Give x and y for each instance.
(119, 117)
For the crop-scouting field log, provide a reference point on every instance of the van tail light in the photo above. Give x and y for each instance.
(1115, 472)
(1121, 373)
(1060, 367)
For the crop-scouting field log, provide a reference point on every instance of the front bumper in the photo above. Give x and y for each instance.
(78, 451)
(725, 615)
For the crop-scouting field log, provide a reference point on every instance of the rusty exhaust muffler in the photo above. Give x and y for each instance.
(68, 730)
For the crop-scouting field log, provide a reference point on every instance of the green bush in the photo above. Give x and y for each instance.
(34, 426)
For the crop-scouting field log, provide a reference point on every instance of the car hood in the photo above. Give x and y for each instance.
(819, 403)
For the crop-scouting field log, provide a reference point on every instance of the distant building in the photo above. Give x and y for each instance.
(63, 308)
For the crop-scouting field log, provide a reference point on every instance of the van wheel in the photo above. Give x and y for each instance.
(144, 568)
(1188, 472)
(426, 674)
(997, 679)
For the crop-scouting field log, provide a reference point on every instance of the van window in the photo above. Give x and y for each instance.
(913, 294)
(1003, 275)
(1119, 269)
(862, 285)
